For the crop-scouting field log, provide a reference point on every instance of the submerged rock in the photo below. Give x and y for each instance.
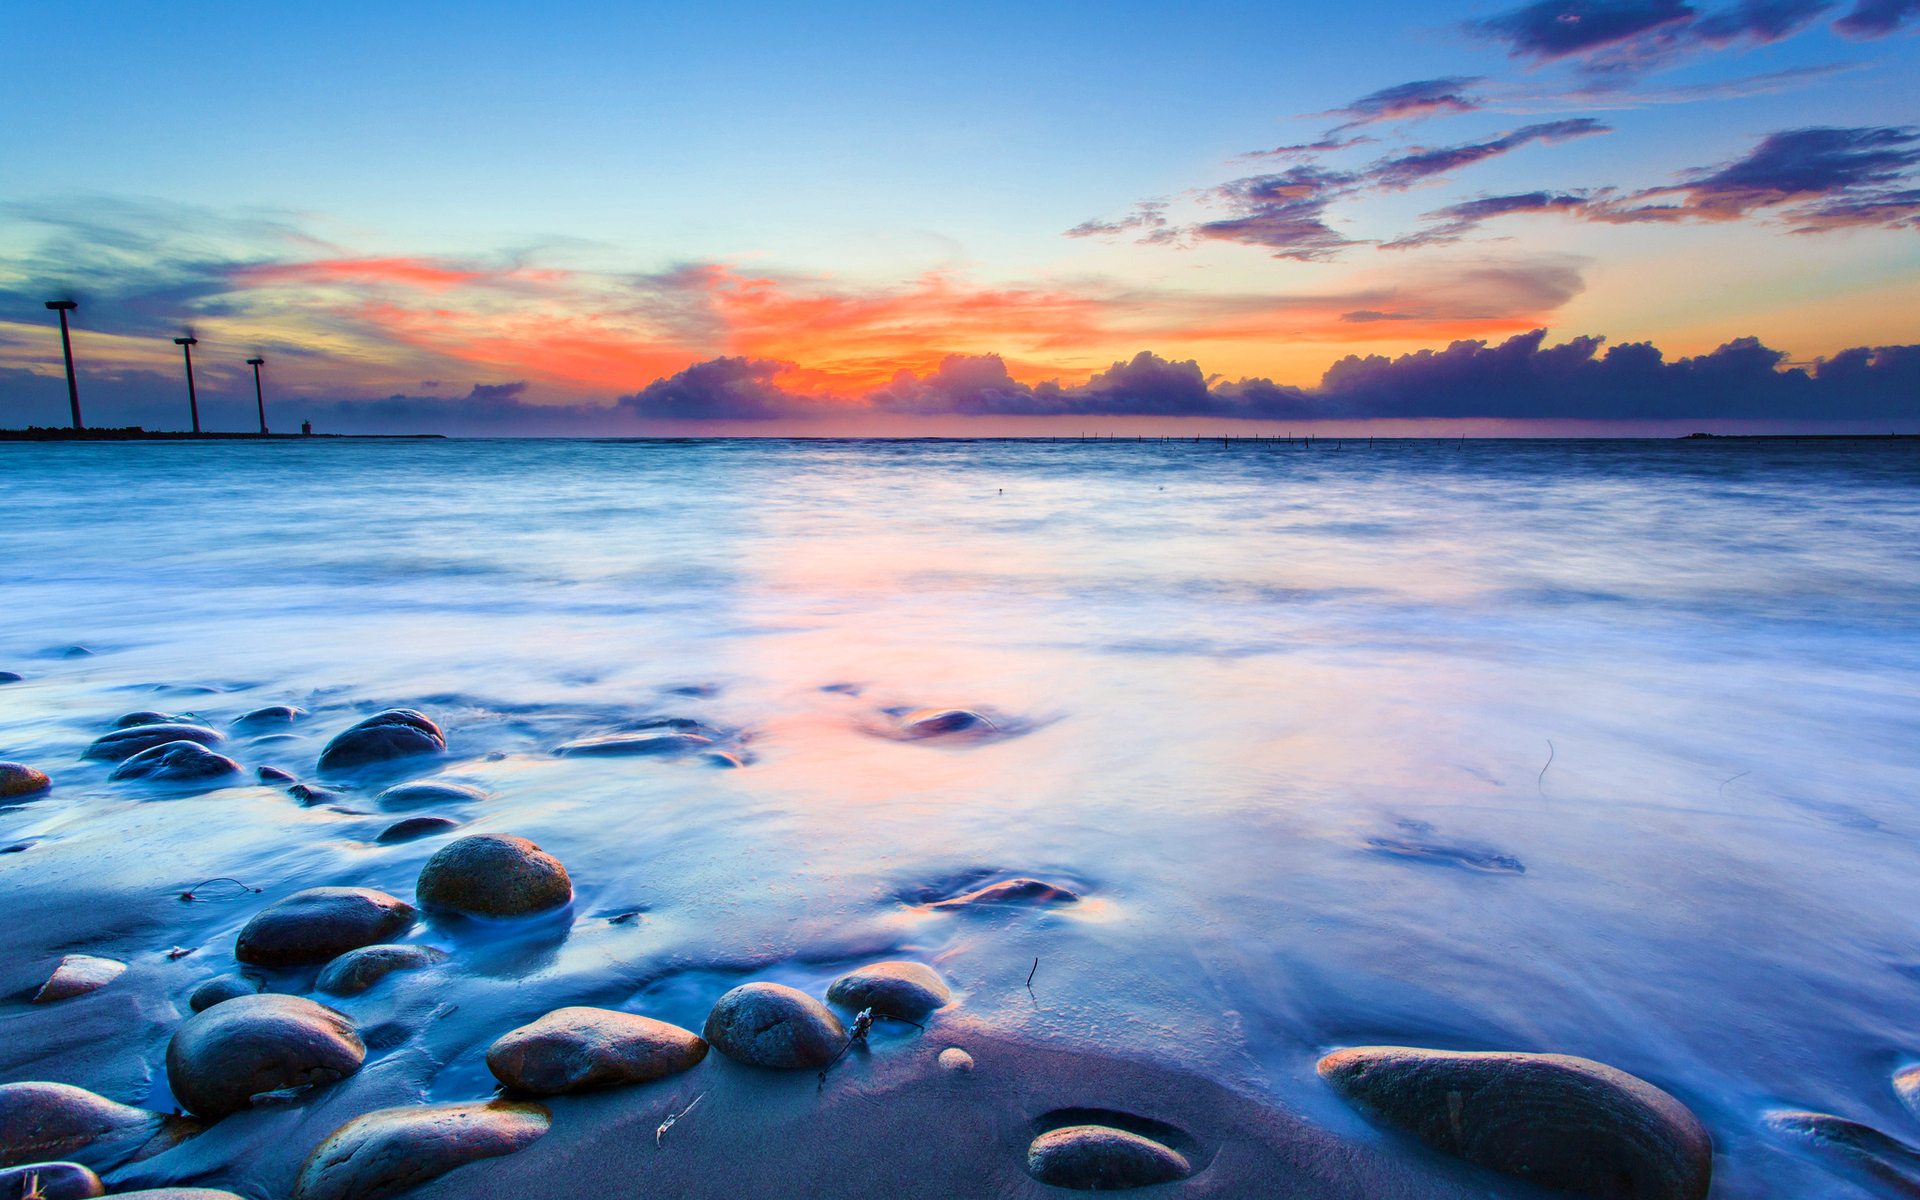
(393, 1149)
(894, 989)
(574, 1049)
(1012, 891)
(309, 795)
(11, 677)
(319, 924)
(18, 779)
(493, 875)
(772, 1025)
(1102, 1158)
(934, 722)
(414, 828)
(125, 743)
(357, 970)
(43, 1122)
(77, 975)
(180, 1193)
(219, 988)
(51, 1181)
(176, 762)
(222, 1057)
(271, 717)
(149, 717)
(645, 741)
(1560, 1122)
(1853, 1147)
(275, 775)
(421, 793)
(384, 737)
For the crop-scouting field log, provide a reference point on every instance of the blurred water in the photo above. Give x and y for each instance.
(1285, 716)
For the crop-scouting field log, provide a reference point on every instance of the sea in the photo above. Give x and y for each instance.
(1607, 748)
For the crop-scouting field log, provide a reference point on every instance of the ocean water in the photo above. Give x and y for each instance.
(1601, 748)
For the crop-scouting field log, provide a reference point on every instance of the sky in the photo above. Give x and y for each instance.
(991, 219)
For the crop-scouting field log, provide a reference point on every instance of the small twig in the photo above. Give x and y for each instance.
(244, 889)
(1742, 775)
(1036, 967)
(667, 1124)
(1541, 781)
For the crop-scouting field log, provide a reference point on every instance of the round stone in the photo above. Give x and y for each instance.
(77, 975)
(219, 988)
(51, 1181)
(953, 1058)
(222, 1057)
(772, 1025)
(1012, 891)
(176, 762)
(147, 716)
(394, 734)
(275, 775)
(493, 875)
(392, 1149)
(414, 828)
(320, 924)
(574, 1049)
(357, 970)
(1563, 1123)
(40, 1122)
(647, 741)
(933, 722)
(11, 677)
(1101, 1158)
(273, 716)
(894, 989)
(421, 793)
(125, 743)
(18, 779)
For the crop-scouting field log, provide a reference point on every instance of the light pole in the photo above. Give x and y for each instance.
(258, 398)
(66, 345)
(186, 345)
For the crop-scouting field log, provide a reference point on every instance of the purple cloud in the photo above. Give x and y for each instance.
(1458, 220)
(1876, 18)
(1284, 212)
(1421, 98)
(721, 389)
(1395, 174)
(1829, 172)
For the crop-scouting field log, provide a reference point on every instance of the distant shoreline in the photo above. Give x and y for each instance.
(137, 434)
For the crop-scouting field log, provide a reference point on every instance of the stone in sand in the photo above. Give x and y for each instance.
(18, 779)
(772, 1025)
(574, 1049)
(392, 1149)
(1101, 1158)
(646, 741)
(77, 975)
(176, 762)
(125, 743)
(953, 1058)
(320, 924)
(414, 828)
(1560, 1122)
(51, 1181)
(1012, 891)
(219, 988)
(275, 775)
(357, 970)
(933, 722)
(384, 737)
(270, 717)
(894, 989)
(421, 793)
(221, 1058)
(493, 875)
(42, 1122)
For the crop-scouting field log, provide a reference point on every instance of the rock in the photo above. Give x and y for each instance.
(77, 975)
(42, 1122)
(894, 989)
(179, 1193)
(1560, 1122)
(953, 1058)
(309, 795)
(772, 1025)
(149, 717)
(125, 743)
(574, 1049)
(223, 1056)
(414, 828)
(421, 793)
(357, 970)
(11, 677)
(493, 875)
(723, 760)
(393, 1149)
(51, 1181)
(1853, 1148)
(933, 722)
(176, 762)
(320, 924)
(18, 779)
(1101, 1158)
(646, 741)
(219, 988)
(1012, 891)
(275, 775)
(394, 734)
(270, 717)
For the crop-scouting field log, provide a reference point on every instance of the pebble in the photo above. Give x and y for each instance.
(18, 779)
(125, 743)
(651, 741)
(392, 1149)
(1102, 1158)
(574, 1049)
(176, 762)
(51, 1181)
(421, 793)
(77, 975)
(320, 924)
(271, 716)
(1561, 1122)
(357, 970)
(493, 875)
(149, 717)
(414, 828)
(894, 989)
(1012, 891)
(772, 1025)
(55, 1121)
(309, 795)
(953, 1058)
(222, 1057)
(219, 988)
(275, 775)
(383, 737)
(933, 722)
(11, 677)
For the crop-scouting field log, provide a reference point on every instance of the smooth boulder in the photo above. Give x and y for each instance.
(222, 1057)
(414, 828)
(574, 1049)
(421, 793)
(772, 1025)
(147, 716)
(11, 677)
(176, 762)
(273, 716)
(357, 970)
(320, 924)
(44, 1122)
(221, 988)
(125, 743)
(18, 779)
(1011, 891)
(51, 1181)
(77, 975)
(1102, 1158)
(893, 989)
(392, 1149)
(493, 875)
(936, 722)
(275, 775)
(644, 742)
(397, 733)
(1564, 1123)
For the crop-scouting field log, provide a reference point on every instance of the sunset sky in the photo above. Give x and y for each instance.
(497, 218)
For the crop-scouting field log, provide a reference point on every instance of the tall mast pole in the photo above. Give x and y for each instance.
(186, 345)
(66, 347)
(258, 398)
